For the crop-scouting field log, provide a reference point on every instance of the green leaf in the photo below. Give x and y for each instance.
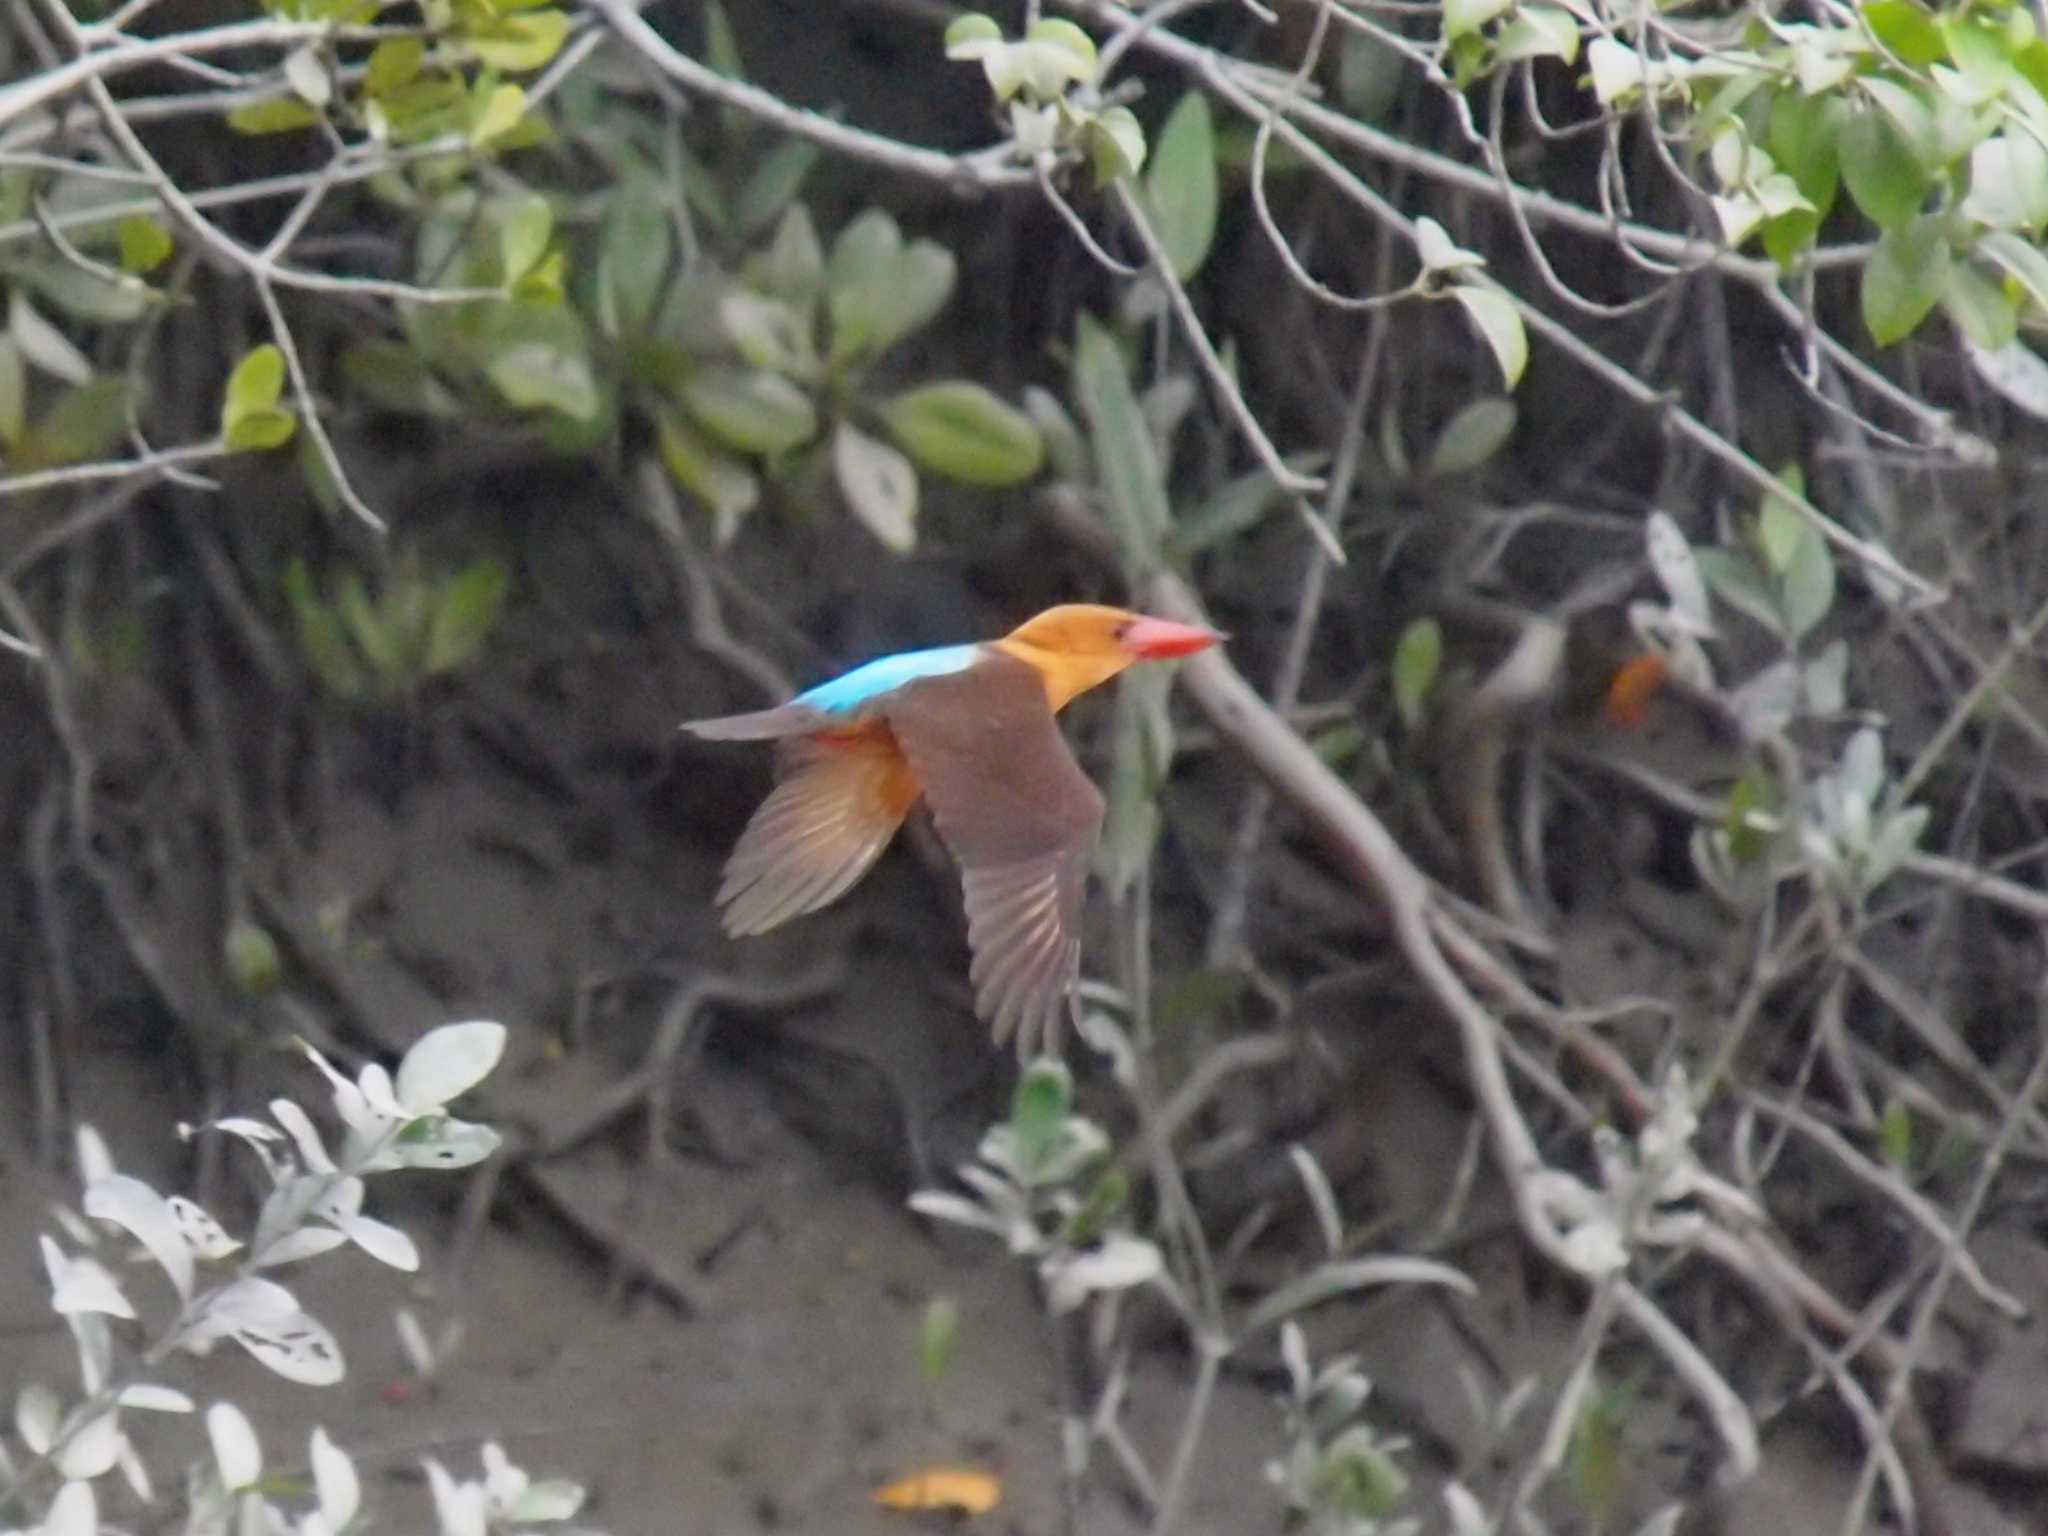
(879, 484)
(1180, 184)
(78, 292)
(1538, 32)
(726, 486)
(1142, 747)
(750, 409)
(1780, 525)
(793, 267)
(1371, 74)
(768, 333)
(519, 44)
(968, 35)
(1039, 1107)
(878, 290)
(144, 243)
(721, 47)
(537, 358)
(85, 422)
(634, 244)
(1237, 506)
(13, 393)
(2008, 182)
(1905, 277)
(1910, 117)
(498, 112)
(466, 610)
(258, 430)
(1808, 590)
(424, 109)
(2020, 261)
(1053, 32)
(525, 225)
(938, 1339)
(280, 114)
(1439, 254)
(1499, 326)
(250, 956)
(394, 377)
(377, 629)
(1880, 171)
(1466, 16)
(1471, 437)
(1906, 29)
(1804, 138)
(1980, 310)
(322, 640)
(43, 346)
(1114, 141)
(1982, 57)
(250, 417)
(394, 62)
(1895, 1134)
(1126, 457)
(960, 430)
(1418, 656)
(774, 185)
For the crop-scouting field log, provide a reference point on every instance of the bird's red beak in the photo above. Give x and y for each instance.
(1159, 639)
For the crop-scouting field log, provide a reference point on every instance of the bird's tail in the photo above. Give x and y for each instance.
(760, 725)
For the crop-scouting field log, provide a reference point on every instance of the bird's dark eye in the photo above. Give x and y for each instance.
(1121, 630)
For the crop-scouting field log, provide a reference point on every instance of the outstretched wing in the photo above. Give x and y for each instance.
(838, 799)
(1022, 819)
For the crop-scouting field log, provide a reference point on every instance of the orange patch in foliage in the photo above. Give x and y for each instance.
(1634, 688)
(951, 1490)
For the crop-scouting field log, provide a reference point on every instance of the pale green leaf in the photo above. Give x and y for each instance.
(1904, 278)
(1180, 184)
(1466, 16)
(1126, 457)
(1498, 324)
(635, 242)
(750, 409)
(1418, 656)
(722, 483)
(280, 114)
(1980, 310)
(1115, 141)
(465, 611)
(1472, 437)
(960, 430)
(144, 243)
(2021, 261)
(879, 484)
(518, 44)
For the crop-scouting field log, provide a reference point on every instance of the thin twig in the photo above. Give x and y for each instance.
(983, 171)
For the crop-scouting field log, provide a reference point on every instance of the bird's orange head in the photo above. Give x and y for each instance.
(1078, 646)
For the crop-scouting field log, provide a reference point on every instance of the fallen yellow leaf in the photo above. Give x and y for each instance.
(956, 1490)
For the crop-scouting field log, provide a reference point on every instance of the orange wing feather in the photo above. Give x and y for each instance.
(838, 799)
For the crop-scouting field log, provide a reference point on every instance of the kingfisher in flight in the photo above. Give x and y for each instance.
(971, 729)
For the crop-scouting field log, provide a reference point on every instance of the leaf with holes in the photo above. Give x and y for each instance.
(879, 484)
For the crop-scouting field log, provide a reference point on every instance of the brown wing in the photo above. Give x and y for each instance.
(1021, 817)
(837, 801)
